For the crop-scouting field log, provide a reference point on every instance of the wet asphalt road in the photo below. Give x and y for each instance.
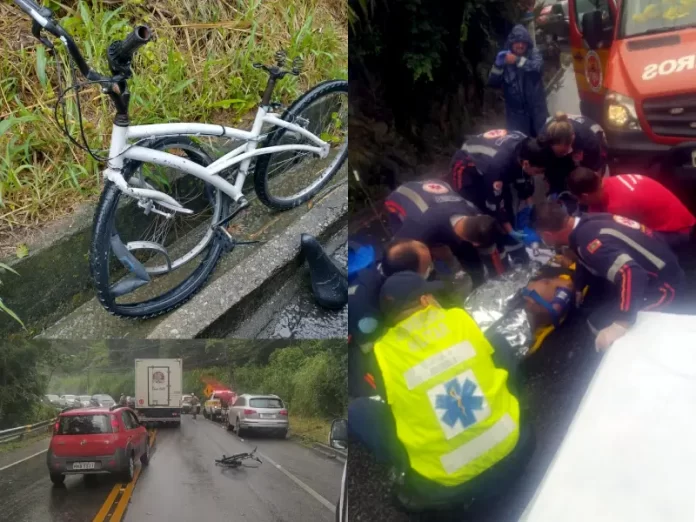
(182, 483)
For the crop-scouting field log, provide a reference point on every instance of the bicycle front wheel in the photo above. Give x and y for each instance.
(178, 252)
(283, 180)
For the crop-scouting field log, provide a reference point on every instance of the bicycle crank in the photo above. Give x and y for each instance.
(223, 236)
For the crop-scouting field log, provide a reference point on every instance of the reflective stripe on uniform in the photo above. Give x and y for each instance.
(659, 263)
(479, 149)
(480, 445)
(626, 183)
(619, 262)
(496, 70)
(438, 363)
(414, 197)
(522, 61)
(596, 128)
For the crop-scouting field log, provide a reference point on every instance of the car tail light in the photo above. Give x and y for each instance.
(56, 427)
(283, 412)
(249, 412)
(114, 425)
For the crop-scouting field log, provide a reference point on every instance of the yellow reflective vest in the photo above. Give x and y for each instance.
(453, 411)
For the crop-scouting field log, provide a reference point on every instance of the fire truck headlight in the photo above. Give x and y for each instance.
(620, 112)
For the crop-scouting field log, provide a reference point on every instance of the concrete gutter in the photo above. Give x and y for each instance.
(54, 278)
(245, 285)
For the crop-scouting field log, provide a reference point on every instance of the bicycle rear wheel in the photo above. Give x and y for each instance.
(284, 180)
(178, 253)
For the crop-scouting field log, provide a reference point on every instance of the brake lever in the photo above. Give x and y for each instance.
(36, 32)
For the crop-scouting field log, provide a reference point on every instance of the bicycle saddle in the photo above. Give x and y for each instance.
(329, 282)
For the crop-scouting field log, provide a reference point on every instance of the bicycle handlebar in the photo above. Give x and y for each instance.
(121, 53)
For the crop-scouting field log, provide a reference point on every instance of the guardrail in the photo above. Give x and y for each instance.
(22, 431)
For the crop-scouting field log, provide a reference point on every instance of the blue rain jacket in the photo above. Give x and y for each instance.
(522, 84)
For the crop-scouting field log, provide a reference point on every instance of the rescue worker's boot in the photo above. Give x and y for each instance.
(329, 282)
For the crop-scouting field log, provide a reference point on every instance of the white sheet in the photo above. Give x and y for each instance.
(630, 452)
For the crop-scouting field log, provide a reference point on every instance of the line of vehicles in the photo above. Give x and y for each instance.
(95, 435)
(81, 401)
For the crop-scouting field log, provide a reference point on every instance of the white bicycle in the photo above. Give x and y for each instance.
(185, 209)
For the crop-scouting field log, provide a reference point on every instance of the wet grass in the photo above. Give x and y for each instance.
(310, 429)
(198, 68)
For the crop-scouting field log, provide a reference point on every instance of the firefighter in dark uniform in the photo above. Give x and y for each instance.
(643, 270)
(432, 213)
(486, 168)
(575, 141)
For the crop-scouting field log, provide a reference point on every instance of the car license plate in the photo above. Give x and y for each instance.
(693, 158)
(267, 416)
(84, 465)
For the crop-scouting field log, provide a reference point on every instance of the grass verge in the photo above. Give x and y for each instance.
(309, 429)
(198, 68)
(14, 445)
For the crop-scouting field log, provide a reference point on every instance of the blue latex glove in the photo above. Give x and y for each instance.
(500, 58)
(530, 237)
(522, 219)
(519, 235)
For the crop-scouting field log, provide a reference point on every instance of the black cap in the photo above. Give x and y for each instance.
(404, 289)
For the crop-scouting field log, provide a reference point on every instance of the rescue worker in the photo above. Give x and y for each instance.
(432, 213)
(449, 420)
(576, 141)
(636, 197)
(195, 405)
(519, 71)
(486, 168)
(642, 269)
(365, 323)
(122, 400)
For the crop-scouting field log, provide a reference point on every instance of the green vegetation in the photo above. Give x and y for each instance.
(3, 307)
(199, 68)
(310, 376)
(418, 72)
(25, 371)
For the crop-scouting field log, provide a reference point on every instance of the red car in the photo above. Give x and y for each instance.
(91, 441)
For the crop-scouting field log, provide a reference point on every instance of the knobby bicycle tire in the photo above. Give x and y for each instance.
(100, 246)
(264, 160)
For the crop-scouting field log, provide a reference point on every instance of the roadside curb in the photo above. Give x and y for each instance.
(330, 452)
(212, 310)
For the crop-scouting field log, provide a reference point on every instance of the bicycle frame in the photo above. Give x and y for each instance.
(121, 149)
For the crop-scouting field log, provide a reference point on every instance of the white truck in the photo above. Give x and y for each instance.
(158, 390)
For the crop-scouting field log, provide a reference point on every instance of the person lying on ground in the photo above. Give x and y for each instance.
(518, 69)
(449, 420)
(432, 213)
(636, 197)
(575, 141)
(486, 168)
(640, 266)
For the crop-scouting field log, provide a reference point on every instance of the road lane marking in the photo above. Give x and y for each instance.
(115, 505)
(104, 511)
(125, 498)
(24, 459)
(328, 505)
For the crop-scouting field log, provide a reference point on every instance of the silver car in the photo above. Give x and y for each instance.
(265, 413)
(85, 401)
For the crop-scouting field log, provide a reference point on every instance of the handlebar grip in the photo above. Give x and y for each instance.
(134, 41)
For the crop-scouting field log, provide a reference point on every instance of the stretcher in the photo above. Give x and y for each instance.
(629, 454)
